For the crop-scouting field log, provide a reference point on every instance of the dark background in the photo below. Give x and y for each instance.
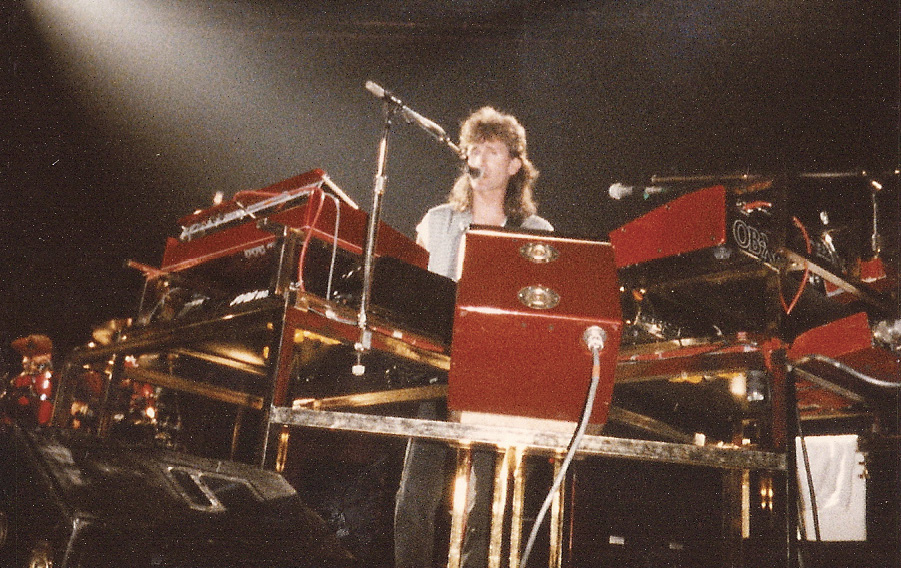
(120, 116)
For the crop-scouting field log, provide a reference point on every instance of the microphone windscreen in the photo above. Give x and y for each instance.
(375, 89)
(618, 190)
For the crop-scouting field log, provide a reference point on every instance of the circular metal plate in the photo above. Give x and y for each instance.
(538, 253)
(539, 297)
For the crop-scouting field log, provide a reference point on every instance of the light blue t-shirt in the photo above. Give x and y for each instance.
(441, 231)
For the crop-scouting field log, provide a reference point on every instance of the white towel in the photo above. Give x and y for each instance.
(837, 469)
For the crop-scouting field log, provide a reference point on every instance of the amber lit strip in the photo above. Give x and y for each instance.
(458, 513)
(745, 504)
(555, 553)
(177, 383)
(230, 362)
(499, 506)
(281, 458)
(429, 392)
(413, 353)
(302, 334)
(519, 496)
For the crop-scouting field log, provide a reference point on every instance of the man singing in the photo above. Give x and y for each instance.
(495, 190)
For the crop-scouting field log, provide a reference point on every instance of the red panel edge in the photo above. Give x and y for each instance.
(688, 223)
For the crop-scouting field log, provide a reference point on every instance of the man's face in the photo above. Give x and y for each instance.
(492, 158)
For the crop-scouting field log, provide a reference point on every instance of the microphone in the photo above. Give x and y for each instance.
(618, 190)
(411, 115)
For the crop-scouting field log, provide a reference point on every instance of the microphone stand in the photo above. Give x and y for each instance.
(390, 107)
(381, 179)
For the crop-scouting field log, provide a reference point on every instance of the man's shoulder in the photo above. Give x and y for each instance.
(443, 210)
(444, 214)
(535, 222)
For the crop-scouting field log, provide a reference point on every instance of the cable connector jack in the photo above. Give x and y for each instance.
(595, 337)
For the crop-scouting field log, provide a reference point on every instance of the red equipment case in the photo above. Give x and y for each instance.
(524, 302)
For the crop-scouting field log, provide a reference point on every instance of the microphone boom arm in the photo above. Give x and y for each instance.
(413, 117)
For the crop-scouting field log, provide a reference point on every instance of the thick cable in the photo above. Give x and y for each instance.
(331, 268)
(810, 489)
(850, 370)
(571, 452)
(306, 244)
(789, 307)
